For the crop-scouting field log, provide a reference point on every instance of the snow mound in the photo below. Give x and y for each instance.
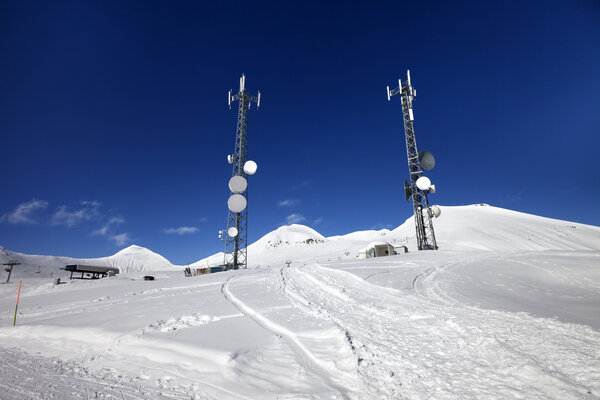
(362, 235)
(485, 227)
(138, 259)
(289, 235)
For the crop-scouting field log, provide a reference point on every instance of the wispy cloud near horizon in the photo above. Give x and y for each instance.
(289, 202)
(294, 219)
(70, 218)
(113, 221)
(182, 230)
(23, 213)
(121, 239)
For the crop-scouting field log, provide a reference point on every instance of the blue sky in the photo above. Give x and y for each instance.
(115, 127)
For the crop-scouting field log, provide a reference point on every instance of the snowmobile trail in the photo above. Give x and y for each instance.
(410, 346)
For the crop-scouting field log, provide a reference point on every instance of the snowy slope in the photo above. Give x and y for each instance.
(131, 259)
(289, 235)
(507, 308)
(492, 228)
(138, 259)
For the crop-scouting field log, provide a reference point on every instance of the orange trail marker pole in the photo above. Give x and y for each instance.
(17, 306)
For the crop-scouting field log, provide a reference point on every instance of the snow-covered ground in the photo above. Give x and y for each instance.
(508, 308)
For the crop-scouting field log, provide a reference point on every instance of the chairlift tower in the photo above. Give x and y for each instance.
(235, 236)
(11, 264)
(420, 186)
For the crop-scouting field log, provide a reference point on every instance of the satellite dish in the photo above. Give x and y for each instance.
(423, 183)
(432, 189)
(250, 167)
(407, 190)
(230, 158)
(426, 159)
(436, 211)
(233, 232)
(237, 203)
(238, 184)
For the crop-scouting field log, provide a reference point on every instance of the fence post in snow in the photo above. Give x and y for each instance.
(17, 306)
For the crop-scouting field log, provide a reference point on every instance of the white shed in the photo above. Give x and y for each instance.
(401, 249)
(376, 249)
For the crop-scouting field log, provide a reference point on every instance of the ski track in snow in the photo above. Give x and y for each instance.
(303, 354)
(28, 377)
(428, 346)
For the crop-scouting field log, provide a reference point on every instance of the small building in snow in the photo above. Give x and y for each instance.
(377, 249)
(401, 249)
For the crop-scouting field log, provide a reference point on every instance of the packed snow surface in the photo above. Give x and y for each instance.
(506, 309)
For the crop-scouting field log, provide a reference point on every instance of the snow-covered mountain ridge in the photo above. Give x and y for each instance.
(130, 259)
(462, 228)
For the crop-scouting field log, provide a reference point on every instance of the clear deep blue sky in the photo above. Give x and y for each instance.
(115, 128)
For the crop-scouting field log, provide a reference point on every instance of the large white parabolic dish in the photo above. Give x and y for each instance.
(232, 232)
(250, 167)
(423, 183)
(237, 203)
(436, 211)
(237, 184)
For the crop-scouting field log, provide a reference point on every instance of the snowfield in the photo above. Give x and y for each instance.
(508, 308)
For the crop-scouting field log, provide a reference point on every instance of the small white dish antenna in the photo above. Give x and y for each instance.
(233, 232)
(230, 158)
(423, 183)
(432, 189)
(250, 167)
(237, 184)
(237, 203)
(436, 211)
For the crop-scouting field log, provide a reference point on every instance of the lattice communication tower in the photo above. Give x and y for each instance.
(235, 236)
(420, 186)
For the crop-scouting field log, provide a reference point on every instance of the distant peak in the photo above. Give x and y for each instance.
(134, 249)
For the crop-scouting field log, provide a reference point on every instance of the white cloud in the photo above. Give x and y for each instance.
(289, 203)
(182, 230)
(23, 212)
(64, 216)
(294, 219)
(104, 230)
(317, 221)
(121, 239)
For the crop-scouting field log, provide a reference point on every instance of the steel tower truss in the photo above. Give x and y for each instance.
(422, 212)
(236, 255)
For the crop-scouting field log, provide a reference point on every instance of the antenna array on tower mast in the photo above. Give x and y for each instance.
(417, 190)
(235, 235)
